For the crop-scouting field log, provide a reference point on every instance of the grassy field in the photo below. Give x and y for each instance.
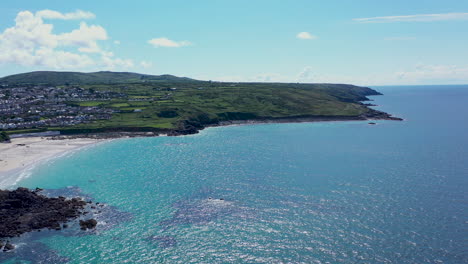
(168, 102)
(168, 105)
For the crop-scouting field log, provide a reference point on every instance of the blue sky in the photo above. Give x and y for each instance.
(360, 42)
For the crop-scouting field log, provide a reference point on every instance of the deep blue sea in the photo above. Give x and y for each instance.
(330, 192)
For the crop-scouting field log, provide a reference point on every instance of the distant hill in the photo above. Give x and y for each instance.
(62, 78)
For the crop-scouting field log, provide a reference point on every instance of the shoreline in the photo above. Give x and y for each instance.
(23, 154)
(190, 128)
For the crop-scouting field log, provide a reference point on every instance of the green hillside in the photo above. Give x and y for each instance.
(182, 105)
(62, 78)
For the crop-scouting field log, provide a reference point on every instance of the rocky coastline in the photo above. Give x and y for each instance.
(23, 210)
(190, 127)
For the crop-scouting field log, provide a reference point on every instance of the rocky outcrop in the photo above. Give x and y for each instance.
(373, 114)
(88, 224)
(7, 247)
(23, 210)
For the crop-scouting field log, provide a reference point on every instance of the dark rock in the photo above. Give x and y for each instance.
(8, 247)
(32, 252)
(379, 115)
(371, 123)
(88, 224)
(23, 210)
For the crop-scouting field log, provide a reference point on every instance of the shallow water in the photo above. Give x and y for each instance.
(334, 192)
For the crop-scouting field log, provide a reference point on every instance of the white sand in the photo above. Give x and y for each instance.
(24, 153)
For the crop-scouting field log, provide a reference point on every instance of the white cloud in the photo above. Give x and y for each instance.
(305, 35)
(413, 75)
(78, 14)
(269, 77)
(59, 59)
(420, 74)
(306, 75)
(414, 18)
(433, 74)
(146, 64)
(108, 62)
(117, 42)
(167, 43)
(263, 77)
(311, 75)
(31, 42)
(85, 38)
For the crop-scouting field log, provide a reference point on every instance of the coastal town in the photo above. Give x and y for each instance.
(27, 107)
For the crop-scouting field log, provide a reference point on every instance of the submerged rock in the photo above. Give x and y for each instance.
(200, 211)
(164, 241)
(8, 247)
(88, 224)
(32, 252)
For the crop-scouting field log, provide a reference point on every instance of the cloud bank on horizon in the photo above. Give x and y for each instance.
(34, 42)
(415, 18)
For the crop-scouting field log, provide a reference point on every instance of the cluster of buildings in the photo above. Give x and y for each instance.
(38, 107)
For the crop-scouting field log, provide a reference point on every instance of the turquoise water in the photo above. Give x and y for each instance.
(336, 192)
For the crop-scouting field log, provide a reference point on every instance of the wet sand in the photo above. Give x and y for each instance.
(23, 153)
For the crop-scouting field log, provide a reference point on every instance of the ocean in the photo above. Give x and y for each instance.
(328, 192)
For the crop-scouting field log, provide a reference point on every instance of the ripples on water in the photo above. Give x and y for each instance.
(342, 192)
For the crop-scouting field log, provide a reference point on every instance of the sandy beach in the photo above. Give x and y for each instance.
(24, 153)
